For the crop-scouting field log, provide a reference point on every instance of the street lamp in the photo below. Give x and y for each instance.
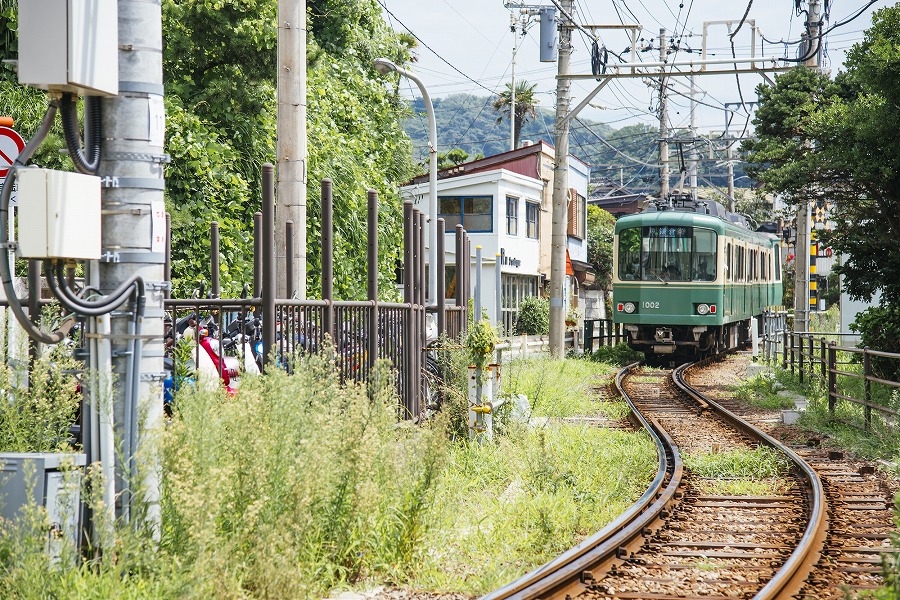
(384, 66)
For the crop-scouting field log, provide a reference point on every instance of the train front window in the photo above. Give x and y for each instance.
(667, 253)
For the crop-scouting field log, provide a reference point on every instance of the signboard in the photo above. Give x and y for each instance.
(11, 144)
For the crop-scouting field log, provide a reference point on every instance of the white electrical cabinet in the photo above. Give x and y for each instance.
(59, 214)
(70, 46)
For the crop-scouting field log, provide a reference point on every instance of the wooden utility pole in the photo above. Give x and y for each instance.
(560, 185)
(290, 192)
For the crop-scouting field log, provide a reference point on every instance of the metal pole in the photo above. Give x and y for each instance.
(268, 261)
(663, 124)
(167, 265)
(291, 140)
(441, 281)
(372, 265)
(512, 85)
(408, 298)
(560, 186)
(214, 259)
(498, 288)
(257, 254)
(461, 265)
(729, 154)
(328, 255)
(290, 281)
(478, 287)
(34, 307)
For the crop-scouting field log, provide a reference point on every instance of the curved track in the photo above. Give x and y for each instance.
(677, 540)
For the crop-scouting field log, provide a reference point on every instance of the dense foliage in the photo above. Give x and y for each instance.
(534, 316)
(600, 228)
(821, 140)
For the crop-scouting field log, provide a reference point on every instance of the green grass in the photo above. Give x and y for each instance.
(770, 486)
(562, 388)
(759, 463)
(295, 486)
(509, 507)
(762, 390)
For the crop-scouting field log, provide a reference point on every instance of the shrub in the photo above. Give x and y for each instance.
(534, 316)
(620, 354)
(879, 328)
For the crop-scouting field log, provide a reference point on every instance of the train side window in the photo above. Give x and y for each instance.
(704, 257)
(630, 254)
(728, 269)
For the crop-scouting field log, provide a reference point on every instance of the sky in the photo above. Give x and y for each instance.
(466, 47)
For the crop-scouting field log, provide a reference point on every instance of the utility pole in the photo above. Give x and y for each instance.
(694, 157)
(560, 185)
(131, 171)
(801, 250)
(513, 21)
(729, 154)
(663, 125)
(290, 192)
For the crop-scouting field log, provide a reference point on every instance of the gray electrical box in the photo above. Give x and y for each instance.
(51, 480)
(549, 38)
(70, 46)
(59, 214)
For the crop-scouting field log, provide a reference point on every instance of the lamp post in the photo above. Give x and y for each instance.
(384, 66)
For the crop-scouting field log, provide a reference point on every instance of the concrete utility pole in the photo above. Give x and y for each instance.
(663, 124)
(560, 185)
(801, 249)
(133, 229)
(290, 191)
(694, 158)
(513, 22)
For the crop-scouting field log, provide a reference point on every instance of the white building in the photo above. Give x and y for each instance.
(505, 204)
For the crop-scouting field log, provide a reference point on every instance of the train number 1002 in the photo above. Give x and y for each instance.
(650, 304)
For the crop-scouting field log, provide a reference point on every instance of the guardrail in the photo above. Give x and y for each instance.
(865, 379)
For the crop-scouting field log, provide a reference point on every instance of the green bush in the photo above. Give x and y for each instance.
(534, 316)
(620, 354)
(879, 328)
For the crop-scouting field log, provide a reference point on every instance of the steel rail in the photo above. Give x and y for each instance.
(573, 569)
(788, 580)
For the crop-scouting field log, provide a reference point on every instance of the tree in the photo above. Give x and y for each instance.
(525, 105)
(600, 228)
(836, 140)
(452, 158)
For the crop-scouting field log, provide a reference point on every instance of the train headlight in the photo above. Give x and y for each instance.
(703, 309)
(629, 307)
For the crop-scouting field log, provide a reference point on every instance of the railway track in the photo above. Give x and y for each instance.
(679, 540)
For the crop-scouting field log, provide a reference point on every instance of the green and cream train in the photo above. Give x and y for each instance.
(687, 281)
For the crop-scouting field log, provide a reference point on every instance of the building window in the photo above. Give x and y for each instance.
(472, 212)
(533, 220)
(512, 216)
(577, 212)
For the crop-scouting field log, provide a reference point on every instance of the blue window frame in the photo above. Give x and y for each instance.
(475, 213)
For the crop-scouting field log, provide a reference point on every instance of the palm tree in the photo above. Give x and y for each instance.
(525, 105)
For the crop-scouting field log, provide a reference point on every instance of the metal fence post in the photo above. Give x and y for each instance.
(214, 259)
(257, 254)
(167, 266)
(372, 287)
(867, 372)
(784, 349)
(441, 280)
(408, 298)
(268, 260)
(291, 285)
(800, 359)
(823, 360)
(793, 358)
(327, 258)
(589, 336)
(832, 377)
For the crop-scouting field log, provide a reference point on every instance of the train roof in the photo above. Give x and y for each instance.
(691, 219)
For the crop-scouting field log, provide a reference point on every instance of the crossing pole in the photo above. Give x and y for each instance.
(801, 250)
(560, 185)
(663, 124)
(133, 242)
